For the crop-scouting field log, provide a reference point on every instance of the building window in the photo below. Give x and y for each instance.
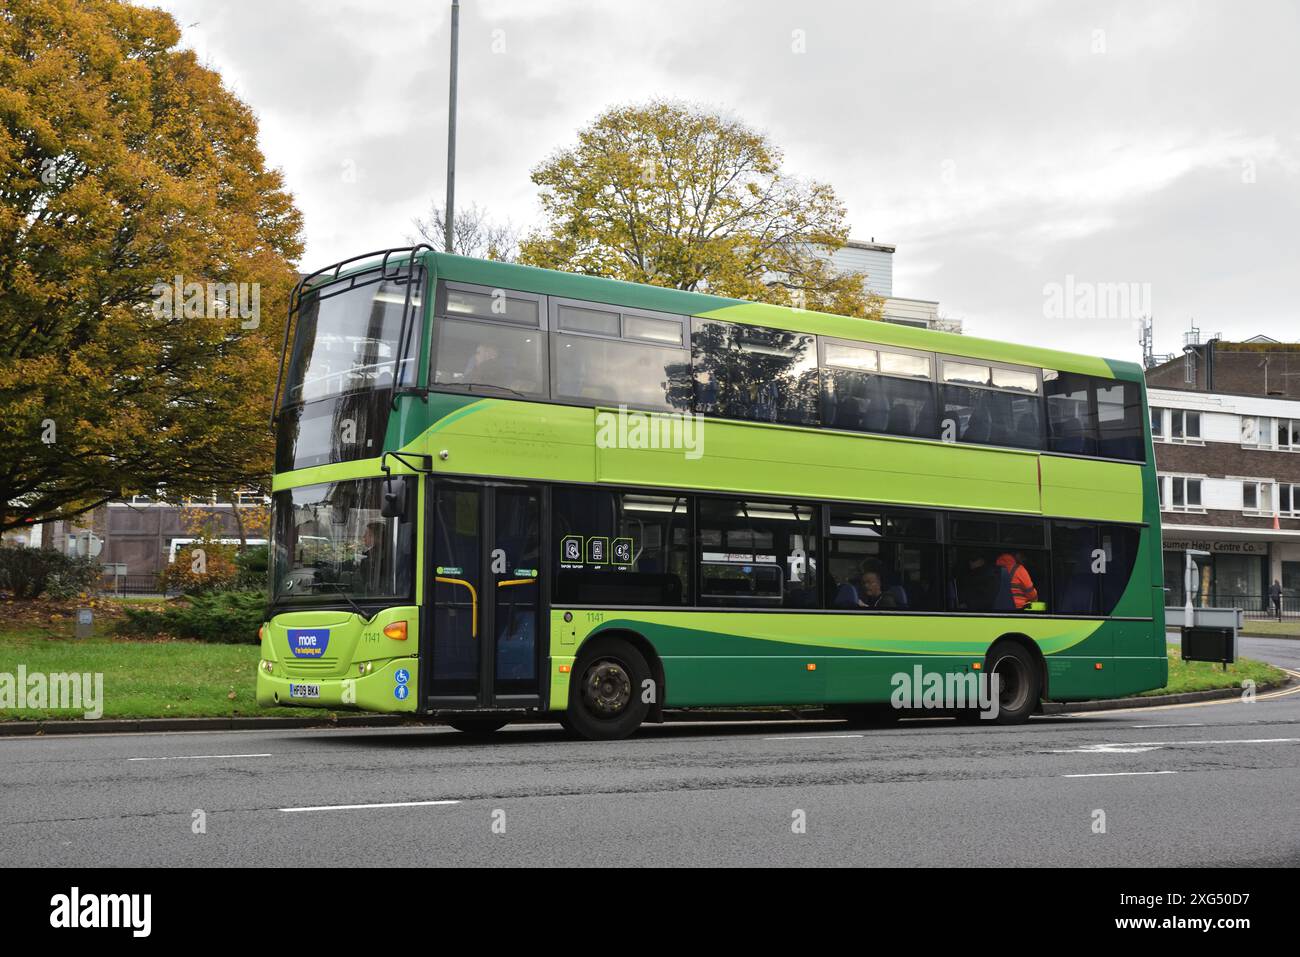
(1257, 496)
(1185, 494)
(1288, 499)
(1184, 426)
(1288, 434)
(1157, 423)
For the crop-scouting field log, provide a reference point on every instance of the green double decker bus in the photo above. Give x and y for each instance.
(505, 493)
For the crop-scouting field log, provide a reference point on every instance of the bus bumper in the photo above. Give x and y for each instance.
(382, 690)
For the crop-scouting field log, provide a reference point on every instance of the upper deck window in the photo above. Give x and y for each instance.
(750, 372)
(346, 338)
(614, 356)
(1088, 415)
(490, 340)
(868, 389)
(991, 404)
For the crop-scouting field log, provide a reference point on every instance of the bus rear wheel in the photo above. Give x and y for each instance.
(605, 701)
(478, 725)
(1020, 683)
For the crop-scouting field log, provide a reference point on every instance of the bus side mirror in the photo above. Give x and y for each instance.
(394, 499)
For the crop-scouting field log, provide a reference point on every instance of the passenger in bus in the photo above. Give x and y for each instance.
(1022, 585)
(873, 593)
(985, 587)
(483, 367)
(870, 593)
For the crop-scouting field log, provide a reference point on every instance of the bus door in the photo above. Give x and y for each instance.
(486, 613)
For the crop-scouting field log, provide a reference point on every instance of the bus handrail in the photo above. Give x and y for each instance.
(473, 601)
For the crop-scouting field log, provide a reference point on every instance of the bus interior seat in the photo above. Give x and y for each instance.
(846, 596)
(1026, 430)
(979, 427)
(900, 419)
(876, 418)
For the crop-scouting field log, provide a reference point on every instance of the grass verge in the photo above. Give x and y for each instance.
(1205, 676)
(142, 679)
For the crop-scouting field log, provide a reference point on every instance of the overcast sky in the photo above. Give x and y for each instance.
(1007, 149)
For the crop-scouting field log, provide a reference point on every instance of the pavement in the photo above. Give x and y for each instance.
(1212, 783)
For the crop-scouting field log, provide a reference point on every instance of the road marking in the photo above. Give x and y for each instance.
(1140, 727)
(201, 757)
(1137, 747)
(809, 737)
(362, 807)
(1116, 774)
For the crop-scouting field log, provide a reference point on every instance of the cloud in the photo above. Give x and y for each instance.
(1000, 146)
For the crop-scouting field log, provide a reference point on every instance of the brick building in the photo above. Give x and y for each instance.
(1225, 417)
(135, 539)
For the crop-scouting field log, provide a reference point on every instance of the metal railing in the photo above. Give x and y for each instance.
(145, 586)
(1259, 607)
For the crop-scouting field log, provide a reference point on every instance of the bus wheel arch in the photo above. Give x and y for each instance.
(607, 690)
(1019, 658)
(647, 650)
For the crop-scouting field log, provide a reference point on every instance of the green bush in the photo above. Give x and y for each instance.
(32, 572)
(225, 617)
(253, 562)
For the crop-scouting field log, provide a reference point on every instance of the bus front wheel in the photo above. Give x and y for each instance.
(607, 700)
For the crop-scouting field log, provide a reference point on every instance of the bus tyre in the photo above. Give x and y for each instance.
(605, 700)
(1020, 684)
(478, 725)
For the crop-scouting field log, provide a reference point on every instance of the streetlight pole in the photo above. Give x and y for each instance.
(449, 215)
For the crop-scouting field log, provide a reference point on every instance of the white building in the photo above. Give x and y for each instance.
(876, 261)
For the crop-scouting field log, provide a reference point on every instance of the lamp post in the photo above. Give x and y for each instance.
(449, 215)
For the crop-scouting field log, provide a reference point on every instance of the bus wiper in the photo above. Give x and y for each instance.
(487, 385)
(346, 597)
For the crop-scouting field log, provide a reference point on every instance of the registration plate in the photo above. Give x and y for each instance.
(304, 691)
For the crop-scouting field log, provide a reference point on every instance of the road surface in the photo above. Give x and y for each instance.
(1212, 784)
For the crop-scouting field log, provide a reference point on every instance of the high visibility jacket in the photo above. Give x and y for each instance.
(1022, 586)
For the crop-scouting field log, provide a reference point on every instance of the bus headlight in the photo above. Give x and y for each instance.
(365, 667)
(268, 666)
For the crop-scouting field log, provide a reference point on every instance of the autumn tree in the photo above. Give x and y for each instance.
(675, 195)
(145, 252)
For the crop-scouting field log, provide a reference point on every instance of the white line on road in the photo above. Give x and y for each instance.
(1116, 774)
(362, 807)
(201, 757)
(1135, 747)
(1140, 727)
(809, 737)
